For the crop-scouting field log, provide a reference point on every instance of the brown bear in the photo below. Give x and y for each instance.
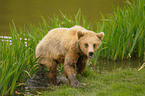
(71, 46)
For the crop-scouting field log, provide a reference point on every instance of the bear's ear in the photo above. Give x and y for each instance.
(80, 34)
(100, 35)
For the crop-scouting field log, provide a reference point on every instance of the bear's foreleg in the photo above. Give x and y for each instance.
(81, 64)
(69, 68)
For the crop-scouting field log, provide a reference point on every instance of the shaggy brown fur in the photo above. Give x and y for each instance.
(71, 46)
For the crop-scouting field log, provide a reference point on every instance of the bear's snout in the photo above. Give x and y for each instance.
(91, 54)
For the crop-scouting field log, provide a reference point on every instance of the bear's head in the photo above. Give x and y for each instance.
(89, 42)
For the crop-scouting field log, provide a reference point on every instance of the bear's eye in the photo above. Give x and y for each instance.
(86, 45)
(94, 45)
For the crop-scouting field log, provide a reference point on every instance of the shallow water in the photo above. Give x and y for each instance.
(107, 65)
(30, 11)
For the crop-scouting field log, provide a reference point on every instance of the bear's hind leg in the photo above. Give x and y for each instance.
(52, 73)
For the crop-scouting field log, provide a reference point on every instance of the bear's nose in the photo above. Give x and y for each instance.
(91, 53)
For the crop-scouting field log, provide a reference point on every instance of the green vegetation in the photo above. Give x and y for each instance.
(124, 32)
(124, 38)
(16, 61)
(128, 82)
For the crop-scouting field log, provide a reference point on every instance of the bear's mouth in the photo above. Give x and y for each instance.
(90, 56)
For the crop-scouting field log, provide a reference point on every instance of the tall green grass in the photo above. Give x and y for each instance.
(124, 32)
(124, 38)
(16, 61)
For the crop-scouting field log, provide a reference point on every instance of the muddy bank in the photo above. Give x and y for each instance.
(40, 80)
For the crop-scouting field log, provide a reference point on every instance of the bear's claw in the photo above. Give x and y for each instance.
(75, 83)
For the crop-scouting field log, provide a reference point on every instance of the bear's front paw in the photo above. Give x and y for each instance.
(75, 83)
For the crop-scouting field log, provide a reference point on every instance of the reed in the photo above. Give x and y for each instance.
(124, 32)
(17, 61)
